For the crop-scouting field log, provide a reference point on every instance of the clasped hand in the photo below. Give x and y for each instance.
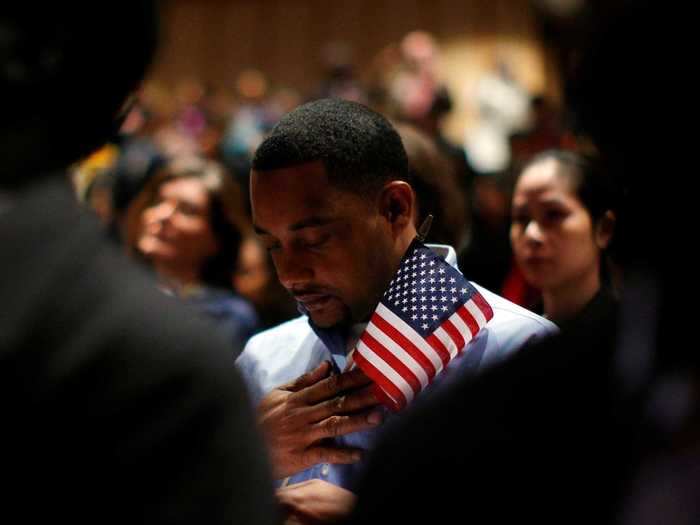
(298, 417)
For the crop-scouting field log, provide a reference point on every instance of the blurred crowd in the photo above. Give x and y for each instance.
(172, 187)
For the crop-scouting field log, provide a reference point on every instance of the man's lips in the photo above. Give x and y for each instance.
(313, 301)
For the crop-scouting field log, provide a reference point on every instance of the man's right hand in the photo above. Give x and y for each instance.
(298, 416)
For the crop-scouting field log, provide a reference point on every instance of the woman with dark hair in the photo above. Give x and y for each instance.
(188, 225)
(563, 223)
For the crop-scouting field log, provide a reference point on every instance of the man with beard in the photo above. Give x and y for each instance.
(332, 202)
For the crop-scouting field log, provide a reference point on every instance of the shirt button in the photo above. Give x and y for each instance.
(324, 470)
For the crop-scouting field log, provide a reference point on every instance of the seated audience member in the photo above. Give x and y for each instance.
(118, 406)
(332, 202)
(563, 223)
(187, 224)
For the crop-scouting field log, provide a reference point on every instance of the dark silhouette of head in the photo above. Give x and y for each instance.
(67, 74)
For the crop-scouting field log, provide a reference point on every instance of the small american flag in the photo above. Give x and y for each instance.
(426, 318)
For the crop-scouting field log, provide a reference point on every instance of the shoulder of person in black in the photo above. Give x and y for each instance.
(116, 401)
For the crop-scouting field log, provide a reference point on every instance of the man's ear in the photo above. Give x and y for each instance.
(605, 229)
(396, 203)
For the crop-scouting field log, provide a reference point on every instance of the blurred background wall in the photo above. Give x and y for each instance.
(470, 77)
(287, 40)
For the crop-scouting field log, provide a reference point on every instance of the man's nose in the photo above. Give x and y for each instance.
(292, 270)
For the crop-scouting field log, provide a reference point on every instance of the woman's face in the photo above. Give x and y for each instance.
(552, 233)
(175, 228)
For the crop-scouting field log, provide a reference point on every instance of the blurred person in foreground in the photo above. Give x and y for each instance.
(333, 203)
(118, 406)
(599, 425)
(563, 223)
(188, 225)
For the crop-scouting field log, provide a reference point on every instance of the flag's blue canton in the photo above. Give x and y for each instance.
(426, 290)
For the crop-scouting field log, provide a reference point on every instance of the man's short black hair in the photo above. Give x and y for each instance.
(359, 148)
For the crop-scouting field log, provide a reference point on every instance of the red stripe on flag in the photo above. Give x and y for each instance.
(468, 319)
(482, 305)
(454, 334)
(391, 360)
(404, 343)
(382, 384)
(437, 345)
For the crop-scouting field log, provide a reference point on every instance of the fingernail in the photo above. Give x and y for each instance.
(374, 418)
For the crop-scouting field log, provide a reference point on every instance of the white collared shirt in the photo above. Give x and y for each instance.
(283, 353)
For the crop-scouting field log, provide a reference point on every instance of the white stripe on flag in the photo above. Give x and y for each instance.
(460, 325)
(386, 370)
(446, 340)
(410, 334)
(401, 354)
(476, 313)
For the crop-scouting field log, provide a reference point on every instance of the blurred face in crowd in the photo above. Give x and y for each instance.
(252, 273)
(175, 228)
(333, 249)
(553, 237)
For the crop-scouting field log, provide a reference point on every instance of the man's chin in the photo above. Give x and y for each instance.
(326, 320)
(330, 315)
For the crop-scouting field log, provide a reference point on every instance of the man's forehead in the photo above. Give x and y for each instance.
(305, 185)
(292, 178)
(297, 195)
